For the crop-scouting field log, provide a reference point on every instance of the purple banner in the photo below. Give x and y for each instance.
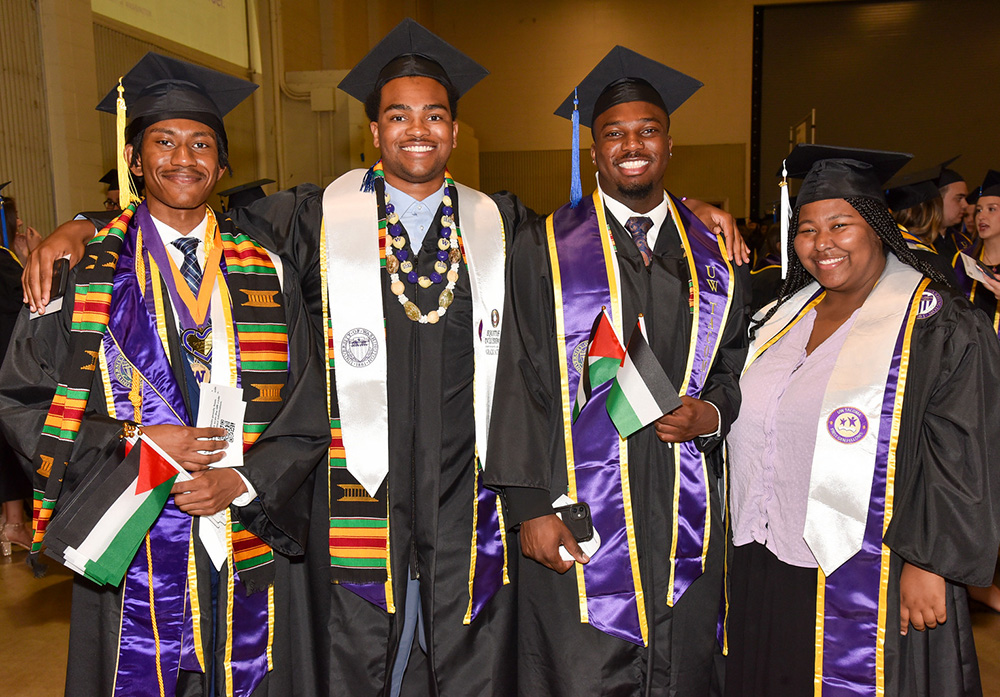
(851, 611)
(488, 576)
(153, 624)
(712, 275)
(612, 598)
(132, 324)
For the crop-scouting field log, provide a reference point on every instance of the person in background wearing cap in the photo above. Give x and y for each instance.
(15, 487)
(955, 237)
(243, 195)
(917, 207)
(983, 291)
(640, 615)
(172, 301)
(864, 491)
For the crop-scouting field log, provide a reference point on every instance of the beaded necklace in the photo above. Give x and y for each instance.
(397, 259)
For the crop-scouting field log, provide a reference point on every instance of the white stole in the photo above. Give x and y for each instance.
(354, 289)
(847, 433)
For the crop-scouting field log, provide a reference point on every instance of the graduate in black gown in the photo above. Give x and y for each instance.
(864, 488)
(983, 291)
(654, 630)
(15, 487)
(955, 237)
(406, 605)
(220, 620)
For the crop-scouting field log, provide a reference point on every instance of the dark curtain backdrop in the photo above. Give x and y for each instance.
(919, 76)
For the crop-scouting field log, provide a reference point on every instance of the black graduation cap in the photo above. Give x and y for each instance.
(411, 50)
(949, 176)
(245, 194)
(626, 76)
(909, 190)
(989, 187)
(159, 88)
(111, 179)
(835, 172)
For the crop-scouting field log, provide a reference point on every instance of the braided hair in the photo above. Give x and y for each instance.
(877, 215)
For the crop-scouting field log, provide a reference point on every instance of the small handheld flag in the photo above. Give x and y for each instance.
(604, 354)
(641, 392)
(99, 529)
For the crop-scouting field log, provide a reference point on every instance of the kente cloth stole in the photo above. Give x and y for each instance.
(119, 325)
(851, 599)
(585, 279)
(352, 263)
(971, 288)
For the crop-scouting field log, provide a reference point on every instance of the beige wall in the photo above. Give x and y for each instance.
(538, 50)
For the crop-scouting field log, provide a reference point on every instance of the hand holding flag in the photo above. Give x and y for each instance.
(97, 531)
(641, 392)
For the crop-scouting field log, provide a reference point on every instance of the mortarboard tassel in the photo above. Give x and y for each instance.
(127, 193)
(368, 183)
(575, 187)
(3, 222)
(785, 219)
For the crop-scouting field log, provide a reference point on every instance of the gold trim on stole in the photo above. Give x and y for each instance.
(230, 592)
(688, 370)
(474, 552)
(820, 627)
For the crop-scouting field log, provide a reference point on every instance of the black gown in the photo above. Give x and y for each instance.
(431, 484)
(945, 519)
(14, 485)
(557, 654)
(280, 466)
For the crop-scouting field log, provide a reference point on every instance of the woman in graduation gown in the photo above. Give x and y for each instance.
(860, 509)
(984, 294)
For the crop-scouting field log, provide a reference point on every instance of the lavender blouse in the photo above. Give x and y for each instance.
(771, 443)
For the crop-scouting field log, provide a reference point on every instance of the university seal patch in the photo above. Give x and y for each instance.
(930, 304)
(580, 355)
(847, 425)
(359, 347)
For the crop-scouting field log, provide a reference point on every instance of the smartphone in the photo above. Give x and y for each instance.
(986, 270)
(576, 516)
(60, 276)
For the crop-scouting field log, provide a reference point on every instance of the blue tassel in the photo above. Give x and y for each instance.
(575, 187)
(368, 183)
(3, 224)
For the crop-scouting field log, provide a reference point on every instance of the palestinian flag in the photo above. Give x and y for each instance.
(642, 392)
(604, 355)
(97, 531)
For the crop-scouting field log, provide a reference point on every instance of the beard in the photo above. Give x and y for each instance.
(636, 191)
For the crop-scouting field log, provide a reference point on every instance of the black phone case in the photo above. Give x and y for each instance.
(60, 275)
(576, 516)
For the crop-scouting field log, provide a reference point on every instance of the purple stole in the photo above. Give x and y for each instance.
(160, 629)
(584, 272)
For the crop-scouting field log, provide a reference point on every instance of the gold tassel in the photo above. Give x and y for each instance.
(127, 193)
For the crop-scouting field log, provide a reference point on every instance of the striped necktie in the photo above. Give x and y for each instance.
(638, 226)
(190, 269)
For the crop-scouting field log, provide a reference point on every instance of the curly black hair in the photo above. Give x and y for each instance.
(877, 215)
